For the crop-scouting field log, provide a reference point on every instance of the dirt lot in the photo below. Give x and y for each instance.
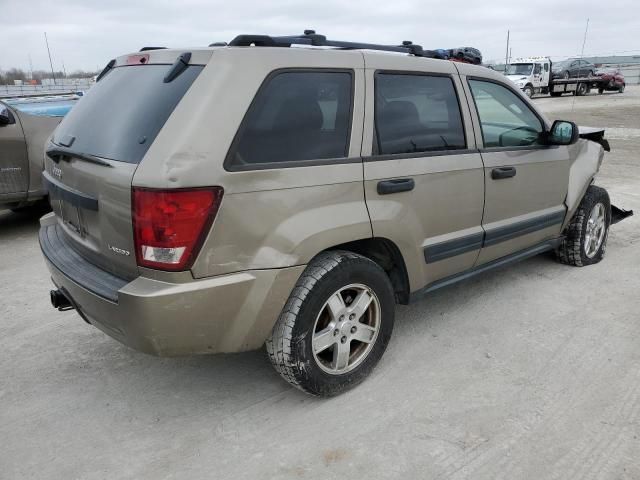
(530, 372)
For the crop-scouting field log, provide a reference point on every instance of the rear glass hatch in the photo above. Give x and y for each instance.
(93, 155)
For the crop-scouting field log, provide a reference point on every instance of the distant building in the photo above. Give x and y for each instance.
(614, 60)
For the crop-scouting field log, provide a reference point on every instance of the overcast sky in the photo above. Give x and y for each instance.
(86, 34)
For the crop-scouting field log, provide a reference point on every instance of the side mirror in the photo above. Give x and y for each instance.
(563, 133)
(5, 116)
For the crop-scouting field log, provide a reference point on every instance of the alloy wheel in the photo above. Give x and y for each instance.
(595, 231)
(346, 329)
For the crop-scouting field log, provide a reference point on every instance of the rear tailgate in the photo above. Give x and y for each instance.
(94, 153)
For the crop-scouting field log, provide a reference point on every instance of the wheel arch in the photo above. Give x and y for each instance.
(386, 254)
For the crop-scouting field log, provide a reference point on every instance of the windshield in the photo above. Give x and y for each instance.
(520, 69)
(121, 115)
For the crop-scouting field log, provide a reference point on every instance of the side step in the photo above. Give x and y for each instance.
(485, 267)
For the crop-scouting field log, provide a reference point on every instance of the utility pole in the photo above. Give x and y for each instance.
(506, 55)
(50, 62)
(64, 70)
(30, 68)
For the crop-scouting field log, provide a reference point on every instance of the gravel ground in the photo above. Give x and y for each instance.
(530, 372)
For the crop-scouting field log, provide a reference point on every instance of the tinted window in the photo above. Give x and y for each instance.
(505, 118)
(121, 115)
(417, 113)
(296, 116)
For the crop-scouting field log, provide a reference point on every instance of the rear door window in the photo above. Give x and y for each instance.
(416, 113)
(296, 116)
(121, 115)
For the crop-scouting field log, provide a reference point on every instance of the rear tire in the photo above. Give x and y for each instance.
(621, 89)
(582, 89)
(586, 235)
(324, 343)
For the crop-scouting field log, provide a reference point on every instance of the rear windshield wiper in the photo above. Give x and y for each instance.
(106, 70)
(61, 153)
(179, 66)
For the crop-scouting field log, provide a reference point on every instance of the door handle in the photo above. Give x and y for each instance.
(503, 172)
(396, 185)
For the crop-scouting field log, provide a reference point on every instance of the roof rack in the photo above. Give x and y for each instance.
(146, 49)
(310, 37)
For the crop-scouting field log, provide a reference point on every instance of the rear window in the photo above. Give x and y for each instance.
(121, 115)
(295, 116)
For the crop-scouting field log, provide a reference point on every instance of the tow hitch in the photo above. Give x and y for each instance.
(60, 301)
(618, 214)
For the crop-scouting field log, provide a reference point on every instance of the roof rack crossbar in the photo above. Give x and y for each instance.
(311, 38)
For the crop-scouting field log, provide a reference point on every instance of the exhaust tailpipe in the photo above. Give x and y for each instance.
(60, 301)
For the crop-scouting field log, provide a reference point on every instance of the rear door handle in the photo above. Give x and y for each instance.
(503, 172)
(396, 185)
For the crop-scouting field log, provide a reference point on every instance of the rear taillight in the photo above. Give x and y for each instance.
(170, 225)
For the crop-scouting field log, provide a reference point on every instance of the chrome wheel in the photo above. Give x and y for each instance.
(346, 329)
(595, 231)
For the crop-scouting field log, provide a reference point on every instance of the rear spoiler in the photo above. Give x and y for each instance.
(595, 135)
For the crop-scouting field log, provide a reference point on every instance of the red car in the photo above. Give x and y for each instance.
(615, 77)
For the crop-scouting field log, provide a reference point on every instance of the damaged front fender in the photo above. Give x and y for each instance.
(595, 135)
(619, 214)
(588, 153)
(588, 157)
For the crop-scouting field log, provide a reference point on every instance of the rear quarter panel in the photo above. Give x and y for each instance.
(269, 218)
(37, 130)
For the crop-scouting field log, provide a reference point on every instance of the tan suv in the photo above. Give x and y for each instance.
(217, 199)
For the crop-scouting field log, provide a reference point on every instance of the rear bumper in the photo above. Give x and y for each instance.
(227, 313)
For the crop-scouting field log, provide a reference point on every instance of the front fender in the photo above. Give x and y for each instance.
(588, 158)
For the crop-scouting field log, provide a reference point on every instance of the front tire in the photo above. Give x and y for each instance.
(528, 91)
(335, 325)
(586, 235)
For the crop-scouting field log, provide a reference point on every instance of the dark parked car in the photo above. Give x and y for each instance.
(615, 78)
(573, 68)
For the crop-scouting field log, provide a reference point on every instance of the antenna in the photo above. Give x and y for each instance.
(584, 41)
(50, 62)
